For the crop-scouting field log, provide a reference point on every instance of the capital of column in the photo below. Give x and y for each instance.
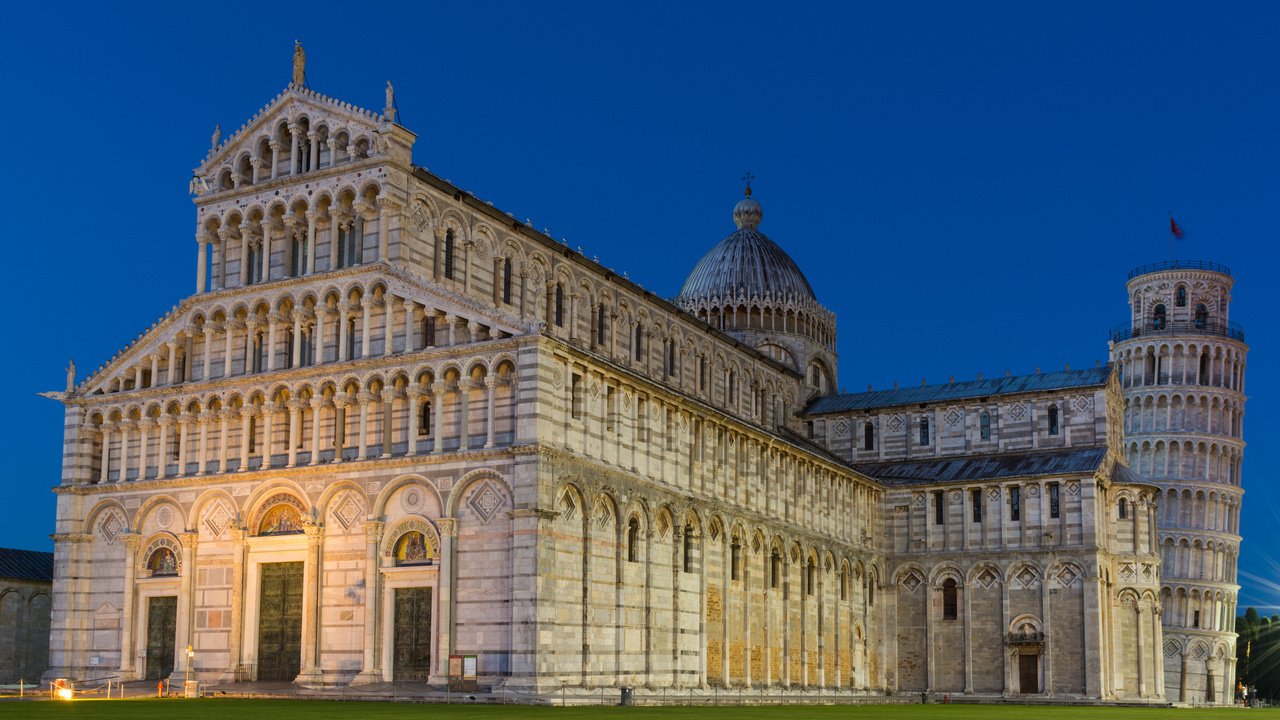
(317, 403)
(373, 529)
(413, 392)
(364, 397)
(341, 401)
(188, 539)
(132, 541)
(448, 527)
(440, 232)
(314, 532)
(239, 535)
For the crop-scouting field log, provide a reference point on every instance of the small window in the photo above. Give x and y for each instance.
(448, 254)
(576, 398)
(424, 418)
(1015, 503)
(775, 570)
(975, 498)
(633, 540)
(1202, 316)
(1055, 507)
(1158, 318)
(559, 305)
(1181, 298)
(950, 601)
(811, 578)
(844, 584)
(1195, 619)
(506, 281)
(938, 509)
(639, 342)
(735, 560)
(600, 324)
(984, 426)
(924, 431)
(868, 436)
(1124, 508)
(429, 331)
(1053, 419)
(688, 548)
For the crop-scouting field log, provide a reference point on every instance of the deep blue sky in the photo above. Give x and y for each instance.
(966, 185)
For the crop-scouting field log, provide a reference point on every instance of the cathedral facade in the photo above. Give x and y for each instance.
(396, 433)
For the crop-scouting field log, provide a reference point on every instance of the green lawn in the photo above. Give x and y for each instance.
(174, 709)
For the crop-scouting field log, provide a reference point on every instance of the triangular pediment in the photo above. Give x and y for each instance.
(329, 116)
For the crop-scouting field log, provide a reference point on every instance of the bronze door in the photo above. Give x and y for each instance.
(1029, 673)
(412, 635)
(162, 619)
(280, 622)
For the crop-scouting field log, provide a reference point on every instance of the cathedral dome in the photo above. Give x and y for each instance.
(747, 264)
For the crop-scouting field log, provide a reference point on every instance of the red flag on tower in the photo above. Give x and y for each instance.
(1174, 228)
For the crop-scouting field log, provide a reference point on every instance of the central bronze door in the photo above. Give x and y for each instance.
(1029, 673)
(412, 635)
(280, 622)
(162, 618)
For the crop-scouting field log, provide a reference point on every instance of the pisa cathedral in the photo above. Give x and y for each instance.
(394, 425)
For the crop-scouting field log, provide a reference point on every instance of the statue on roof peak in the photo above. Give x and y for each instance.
(299, 64)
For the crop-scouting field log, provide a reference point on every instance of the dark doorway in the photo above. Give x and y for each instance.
(162, 618)
(413, 635)
(1029, 673)
(280, 622)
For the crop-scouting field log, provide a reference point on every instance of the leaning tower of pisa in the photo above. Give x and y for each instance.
(1182, 366)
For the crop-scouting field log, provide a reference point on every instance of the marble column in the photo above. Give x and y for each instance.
(371, 672)
(312, 574)
(448, 533)
(201, 262)
(364, 398)
(317, 406)
(490, 384)
(340, 403)
(239, 550)
(414, 398)
(131, 542)
(437, 432)
(162, 447)
(295, 426)
(246, 428)
(186, 602)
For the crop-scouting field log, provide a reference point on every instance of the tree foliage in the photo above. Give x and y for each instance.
(1258, 654)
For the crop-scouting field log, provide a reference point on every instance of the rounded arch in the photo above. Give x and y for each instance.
(471, 478)
(379, 510)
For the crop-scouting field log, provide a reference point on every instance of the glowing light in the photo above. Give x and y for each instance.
(64, 693)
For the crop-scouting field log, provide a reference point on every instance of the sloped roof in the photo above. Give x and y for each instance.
(1091, 377)
(987, 467)
(26, 564)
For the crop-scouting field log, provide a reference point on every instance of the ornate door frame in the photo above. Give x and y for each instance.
(261, 551)
(406, 577)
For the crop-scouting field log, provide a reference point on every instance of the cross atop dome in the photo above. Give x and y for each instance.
(747, 179)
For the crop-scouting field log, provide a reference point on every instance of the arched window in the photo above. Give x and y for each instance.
(1053, 419)
(162, 562)
(424, 418)
(633, 540)
(1202, 316)
(924, 431)
(297, 252)
(506, 281)
(448, 254)
(259, 352)
(1181, 297)
(351, 339)
(775, 569)
(1158, 318)
(811, 577)
(871, 592)
(429, 330)
(984, 426)
(600, 315)
(412, 548)
(639, 342)
(868, 436)
(950, 602)
(559, 305)
(688, 548)
(735, 560)
(1124, 508)
(1204, 368)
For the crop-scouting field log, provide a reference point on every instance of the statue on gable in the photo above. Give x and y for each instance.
(299, 65)
(217, 137)
(390, 109)
(71, 376)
